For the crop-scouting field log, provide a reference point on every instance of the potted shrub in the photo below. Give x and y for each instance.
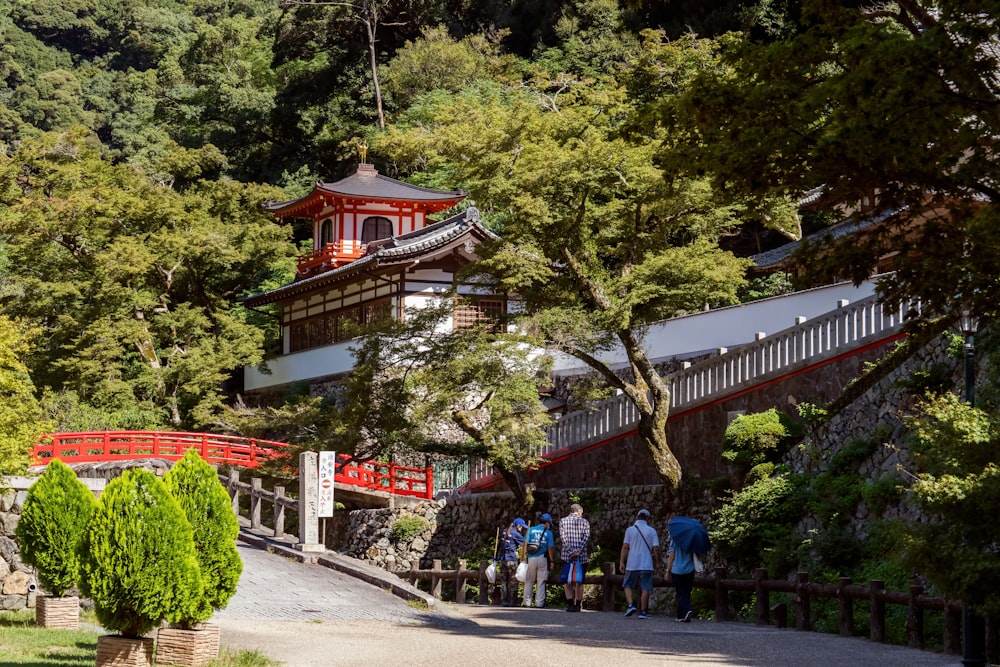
(53, 518)
(138, 565)
(195, 485)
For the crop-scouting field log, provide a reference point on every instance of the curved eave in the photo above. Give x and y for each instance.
(440, 237)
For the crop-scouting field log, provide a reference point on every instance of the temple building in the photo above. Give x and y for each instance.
(375, 252)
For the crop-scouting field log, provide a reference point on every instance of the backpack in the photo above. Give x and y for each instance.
(535, 542)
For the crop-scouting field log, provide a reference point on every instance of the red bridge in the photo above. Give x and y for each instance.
(104, 446)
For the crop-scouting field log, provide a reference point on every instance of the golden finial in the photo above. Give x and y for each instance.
(363, 150)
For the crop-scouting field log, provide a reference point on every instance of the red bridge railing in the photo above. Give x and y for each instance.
(103, 446)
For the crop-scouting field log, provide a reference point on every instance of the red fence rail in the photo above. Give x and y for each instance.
(103, 446)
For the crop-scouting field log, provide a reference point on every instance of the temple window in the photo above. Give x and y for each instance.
(470, 311)
(375, 228)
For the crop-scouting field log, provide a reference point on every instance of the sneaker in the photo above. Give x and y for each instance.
(643, 614)
(572, 606)
(629, 610)
(687, 617)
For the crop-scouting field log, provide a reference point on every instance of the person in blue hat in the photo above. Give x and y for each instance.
(510, 548)
(540, 548)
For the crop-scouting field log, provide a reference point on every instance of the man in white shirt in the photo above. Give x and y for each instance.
(639, 559)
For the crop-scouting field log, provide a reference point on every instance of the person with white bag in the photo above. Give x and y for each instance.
(510, 547)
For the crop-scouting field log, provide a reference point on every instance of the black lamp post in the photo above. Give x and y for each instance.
(973, 625)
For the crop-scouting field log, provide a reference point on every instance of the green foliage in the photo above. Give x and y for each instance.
(957, 482)
(54, 516)
(756, 527)
(206, 504)
(21, 418)
(138, 560)
(154, 337)
(758, 438)
(764, 287)
(405, 528)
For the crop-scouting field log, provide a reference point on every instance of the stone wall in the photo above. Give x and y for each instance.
(17, 580)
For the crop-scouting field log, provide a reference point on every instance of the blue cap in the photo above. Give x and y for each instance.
(547, 517)
(519, 522)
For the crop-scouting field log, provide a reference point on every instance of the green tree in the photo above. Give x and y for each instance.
(138, 561)
(465, 392)
(21, 418)
(957, 485)
(155, 333)
(756, 442)
(207, 506)
(891, 110)
(53, 518)
(597, 241)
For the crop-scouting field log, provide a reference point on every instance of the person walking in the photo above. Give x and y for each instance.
(540, 548)
(639, 557)
(574, 534)
(510, 547)
(680, 573)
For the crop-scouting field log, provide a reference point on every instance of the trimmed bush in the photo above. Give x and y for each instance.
(206, 503)
(53, 519)
(138, 562)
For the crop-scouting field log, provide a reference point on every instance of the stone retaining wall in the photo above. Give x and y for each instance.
(468, 524)
(17, 580)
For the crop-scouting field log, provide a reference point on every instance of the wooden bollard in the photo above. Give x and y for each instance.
(255, 498)
(876, 611)
(915, 619)
(845, 608)
(484, 583)
(436, 579)
(607, 588)
(460, 582)
(721, 595)
(803, 618)
(763, 597)
(279, 512)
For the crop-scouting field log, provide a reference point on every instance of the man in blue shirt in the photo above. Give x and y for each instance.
(540, 548)
(639, 558)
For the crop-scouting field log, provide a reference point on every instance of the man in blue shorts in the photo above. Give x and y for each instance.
(639, 558)
(574, 533)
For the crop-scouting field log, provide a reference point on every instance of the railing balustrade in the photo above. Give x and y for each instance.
(802, 592)
(805, 343)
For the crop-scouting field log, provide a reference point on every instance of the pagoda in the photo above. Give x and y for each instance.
(374, 253)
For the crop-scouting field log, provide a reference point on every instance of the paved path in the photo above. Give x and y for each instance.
(309, 615)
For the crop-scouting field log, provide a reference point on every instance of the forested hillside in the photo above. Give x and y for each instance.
(141, 136)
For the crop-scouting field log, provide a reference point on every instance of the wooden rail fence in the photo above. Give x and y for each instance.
(802, 591)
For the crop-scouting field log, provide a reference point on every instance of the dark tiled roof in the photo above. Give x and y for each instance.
(775, 256)
(367, 183)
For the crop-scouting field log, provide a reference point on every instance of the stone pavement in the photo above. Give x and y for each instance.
(309, 615)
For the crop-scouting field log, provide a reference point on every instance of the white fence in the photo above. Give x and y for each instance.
(806, 343)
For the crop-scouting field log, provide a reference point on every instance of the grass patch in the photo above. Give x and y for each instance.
(24, 644)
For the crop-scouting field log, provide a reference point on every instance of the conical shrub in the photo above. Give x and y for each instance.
(53, 519)
(206, 503)
(138, 562)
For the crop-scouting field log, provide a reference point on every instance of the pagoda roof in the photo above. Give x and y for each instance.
(366, 185)
(398, 250)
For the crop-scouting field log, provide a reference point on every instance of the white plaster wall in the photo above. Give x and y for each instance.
(728, 327)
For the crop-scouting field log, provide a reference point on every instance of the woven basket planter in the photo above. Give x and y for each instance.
(187, 648)
(115, 651)
(53, 612)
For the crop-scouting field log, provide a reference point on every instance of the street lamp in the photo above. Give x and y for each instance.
(973, 625)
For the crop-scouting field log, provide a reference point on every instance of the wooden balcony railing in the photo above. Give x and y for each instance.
(329, 257)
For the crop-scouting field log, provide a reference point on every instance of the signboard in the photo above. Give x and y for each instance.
(327, 467)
